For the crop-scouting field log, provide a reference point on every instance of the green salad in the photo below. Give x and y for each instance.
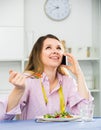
(58, 115)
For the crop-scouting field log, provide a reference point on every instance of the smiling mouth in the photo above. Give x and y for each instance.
(54, 58)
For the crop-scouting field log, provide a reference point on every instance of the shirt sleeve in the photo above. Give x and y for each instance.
(15, 111)
(75, 101)
(3, 106)
(8, 115)
(75, 108)
(76, 98)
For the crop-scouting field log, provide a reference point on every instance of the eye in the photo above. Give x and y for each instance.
(48, 47)
(59, 48)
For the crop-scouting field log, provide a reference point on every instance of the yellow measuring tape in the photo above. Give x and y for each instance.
(61, 96)
(62, 100)
(44, 94)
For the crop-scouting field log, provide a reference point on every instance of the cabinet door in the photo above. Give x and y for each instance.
(5, 66)
(91, 71)
(11, 42)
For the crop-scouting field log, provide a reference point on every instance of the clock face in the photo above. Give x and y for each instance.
(57, 9)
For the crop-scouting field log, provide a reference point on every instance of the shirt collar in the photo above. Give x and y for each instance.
(45, 78)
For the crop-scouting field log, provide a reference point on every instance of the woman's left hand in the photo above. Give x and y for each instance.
(76, 70)
(73, 64)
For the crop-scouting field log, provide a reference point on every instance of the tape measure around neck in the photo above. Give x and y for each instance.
(61, 97)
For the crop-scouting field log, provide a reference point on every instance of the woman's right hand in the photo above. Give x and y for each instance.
(17, 79)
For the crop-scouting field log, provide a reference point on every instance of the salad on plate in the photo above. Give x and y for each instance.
(57, 117)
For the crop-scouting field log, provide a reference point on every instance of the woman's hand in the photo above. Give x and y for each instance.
(73, 64)
(17, 79)
(76, 70)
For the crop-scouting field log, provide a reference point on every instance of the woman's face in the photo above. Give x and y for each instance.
(52, 53)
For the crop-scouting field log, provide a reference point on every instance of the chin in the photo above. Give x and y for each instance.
(55, 65)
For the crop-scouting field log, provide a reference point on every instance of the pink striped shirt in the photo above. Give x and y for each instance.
(32, 103)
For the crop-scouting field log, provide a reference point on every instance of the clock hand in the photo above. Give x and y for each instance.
(56, 7)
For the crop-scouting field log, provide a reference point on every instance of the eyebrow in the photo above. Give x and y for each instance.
(51, 45)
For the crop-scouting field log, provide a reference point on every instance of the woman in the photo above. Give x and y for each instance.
(46, 87)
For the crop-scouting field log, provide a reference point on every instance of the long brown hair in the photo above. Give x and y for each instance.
(34, 64)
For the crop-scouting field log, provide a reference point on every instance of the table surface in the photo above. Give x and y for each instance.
(33, 125)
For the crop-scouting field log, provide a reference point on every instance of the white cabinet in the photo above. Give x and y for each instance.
(5, 66)
(96, 38)
(91, 69)
(11, 41)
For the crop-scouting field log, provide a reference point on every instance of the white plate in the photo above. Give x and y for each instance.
(42, 119)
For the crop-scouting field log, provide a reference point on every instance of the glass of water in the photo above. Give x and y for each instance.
(87, 111)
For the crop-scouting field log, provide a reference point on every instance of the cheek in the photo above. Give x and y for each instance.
(62, 52)
(44, 57)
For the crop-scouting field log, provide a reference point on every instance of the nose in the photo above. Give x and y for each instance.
(54, 51)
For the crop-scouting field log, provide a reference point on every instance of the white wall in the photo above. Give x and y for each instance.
(11, 13)
(75, 30)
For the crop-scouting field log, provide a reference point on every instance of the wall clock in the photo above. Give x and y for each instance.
(57, 9)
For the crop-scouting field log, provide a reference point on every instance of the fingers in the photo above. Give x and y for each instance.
(73, 64)
(10, 71)
(12, 75)
(71, 58)
(68, 54)
(17, 79)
